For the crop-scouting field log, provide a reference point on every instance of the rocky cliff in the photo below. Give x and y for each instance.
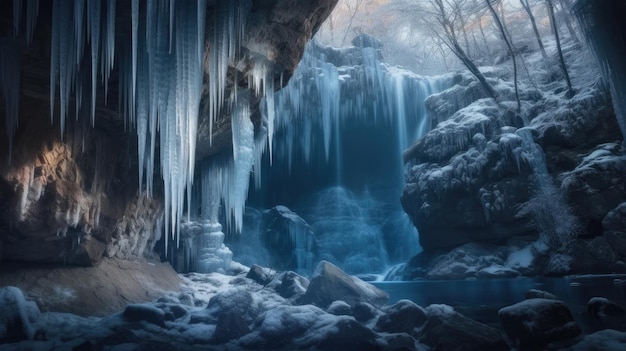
(73, 197)
(495, 193)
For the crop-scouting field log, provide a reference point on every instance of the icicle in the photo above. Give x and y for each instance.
(54, 54)
(32, 11)
(66, 64)
(243, 156)
(10, 60)
(79, 12)
(94, 10)
(135, 26)
(271, 109)
(17, 15)
(229, 25)
(108, 46)
(172, 13)
(143, 106)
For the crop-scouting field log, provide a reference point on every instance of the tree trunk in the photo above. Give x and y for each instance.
(558, 47)
(511, 51)
(528, 10)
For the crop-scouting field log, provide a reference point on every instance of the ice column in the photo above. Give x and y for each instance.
(212, 254)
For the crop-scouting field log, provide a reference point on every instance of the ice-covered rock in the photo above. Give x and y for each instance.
(607, 314)
(144, 312)
(260, 274)
(539, 323)
(450, 330)
(403, 316)
(290, 285)
(17, 316)
(539, 294)
(329, 284)
(290, 238)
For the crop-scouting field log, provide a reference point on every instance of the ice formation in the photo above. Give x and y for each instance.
(324, 97)
(225, 179)
(161, 68)
(10, 85)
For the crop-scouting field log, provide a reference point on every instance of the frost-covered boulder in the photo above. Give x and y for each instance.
(17, 316)
(290, 285)
(539, 323)
(403, 316)
(614, 225)
(144, 312)
(450, 330)
(364, 312)
(289, 239)
(474, 260)
(329, 283)
(260, 274)
(465, 180)
(539, 294)
(339, 308)
(602, 340)
(607, 314)
(597, 185)
(236, 300)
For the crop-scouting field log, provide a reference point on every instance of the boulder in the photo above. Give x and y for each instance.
(339, 308)
(596, 186)
(364, 312)
(348, 334)
(539, 294)
(144, 312)
(17, 316)
(449, 330)
(292, 285)
(289, 239)
(602, 340)
(539, 323)
(403, 316)
(230, 325)
(236, 300)
(260, 275)
(607, 314)
(330, 283)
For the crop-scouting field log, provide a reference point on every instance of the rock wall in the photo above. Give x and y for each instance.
(474, 179)
(74, 198)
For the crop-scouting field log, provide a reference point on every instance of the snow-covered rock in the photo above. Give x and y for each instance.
(450, 330)
(539, 323)
(403, 316)
(329, 284)
(17, 315)
(607, 314)
(289, 239)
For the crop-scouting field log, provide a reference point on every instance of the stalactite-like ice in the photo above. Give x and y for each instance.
(229, 25)
(17, 15)
(10, 86)
(32, 10)
(94, 9)
(108, 45)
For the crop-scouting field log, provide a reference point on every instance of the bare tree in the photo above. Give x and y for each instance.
(555, 30)
(533, 22)
(353, 7)
(446, 18)
(509, 45)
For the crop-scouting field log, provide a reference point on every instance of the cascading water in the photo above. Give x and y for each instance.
(341, 127)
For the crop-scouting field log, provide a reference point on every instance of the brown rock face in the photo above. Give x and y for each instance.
(75, 199)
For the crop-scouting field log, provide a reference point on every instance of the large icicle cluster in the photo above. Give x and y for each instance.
(10, 85)
(161, 69)
(225, 179)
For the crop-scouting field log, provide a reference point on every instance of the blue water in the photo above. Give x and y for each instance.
(481, 299)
